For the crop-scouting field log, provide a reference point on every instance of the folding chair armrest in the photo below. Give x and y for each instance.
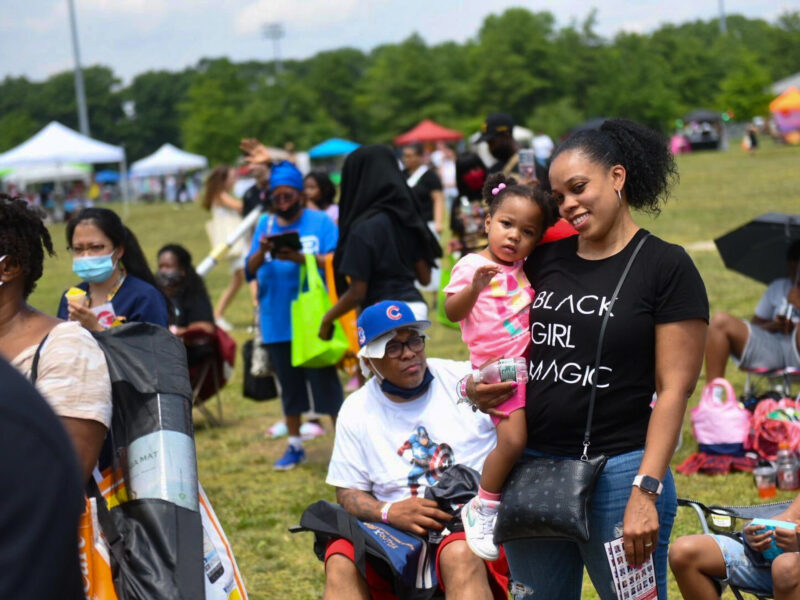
(699, 508)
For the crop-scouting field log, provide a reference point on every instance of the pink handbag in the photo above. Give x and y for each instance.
(720, 427)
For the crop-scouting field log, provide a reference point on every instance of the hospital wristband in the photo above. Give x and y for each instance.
(385, 512)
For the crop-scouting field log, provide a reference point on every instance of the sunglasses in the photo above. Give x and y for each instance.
(283, 197)
(395, 349)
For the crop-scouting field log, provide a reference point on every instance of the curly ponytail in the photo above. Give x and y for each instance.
(650, 167)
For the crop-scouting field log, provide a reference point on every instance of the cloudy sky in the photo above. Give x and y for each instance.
(133, 36)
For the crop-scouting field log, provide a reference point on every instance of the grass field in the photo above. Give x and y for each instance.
(256, 505)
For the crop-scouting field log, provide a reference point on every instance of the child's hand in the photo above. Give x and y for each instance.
(786, 539)
(758, 537)
(483, 275)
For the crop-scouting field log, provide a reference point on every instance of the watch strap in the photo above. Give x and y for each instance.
(637, 481)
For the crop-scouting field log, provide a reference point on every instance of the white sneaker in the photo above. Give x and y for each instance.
(479, 518)
(223, 324)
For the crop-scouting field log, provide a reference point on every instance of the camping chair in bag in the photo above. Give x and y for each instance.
(211, 358)
(727, 520)
(759, 380)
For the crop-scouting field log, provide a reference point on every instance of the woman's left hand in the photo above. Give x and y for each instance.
(640, 527)
(84, 316)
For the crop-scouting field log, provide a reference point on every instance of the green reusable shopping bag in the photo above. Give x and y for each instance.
(441, 316)
(308, 350)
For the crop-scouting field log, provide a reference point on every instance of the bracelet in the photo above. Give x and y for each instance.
(385, 512)
(461, 393)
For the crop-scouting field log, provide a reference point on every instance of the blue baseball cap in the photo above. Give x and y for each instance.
(285, 173)
(378, 323)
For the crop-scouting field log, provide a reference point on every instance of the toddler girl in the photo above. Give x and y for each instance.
(490, 296)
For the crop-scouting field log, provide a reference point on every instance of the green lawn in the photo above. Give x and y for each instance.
(256, 505)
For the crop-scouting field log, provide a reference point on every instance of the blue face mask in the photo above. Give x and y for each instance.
(407, 394)
(94, 269)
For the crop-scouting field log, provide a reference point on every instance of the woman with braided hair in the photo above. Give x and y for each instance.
(71, 373)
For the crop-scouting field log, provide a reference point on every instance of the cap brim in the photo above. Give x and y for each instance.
(376, 348)
(485, 137)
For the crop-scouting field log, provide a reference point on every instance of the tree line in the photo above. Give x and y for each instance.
(547, 77)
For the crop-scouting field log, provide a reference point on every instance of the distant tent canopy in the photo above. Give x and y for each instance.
(56, 143)
(46, 173)
(786, 110)
(332, 147)
(168, 160)
(427, 131)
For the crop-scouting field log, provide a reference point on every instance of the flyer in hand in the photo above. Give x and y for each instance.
(631, 583)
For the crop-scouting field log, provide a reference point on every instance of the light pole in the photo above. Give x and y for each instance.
(80, 92)
(275, 32)
(723, 26)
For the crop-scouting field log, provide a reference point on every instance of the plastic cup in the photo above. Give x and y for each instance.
(766, 481)
(527, 163)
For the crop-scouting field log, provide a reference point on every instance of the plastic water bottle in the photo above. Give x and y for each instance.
(505, 369)
(787, 468)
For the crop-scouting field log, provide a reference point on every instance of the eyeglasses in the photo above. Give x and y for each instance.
(94, 250)
(284, 197)
(395, 349)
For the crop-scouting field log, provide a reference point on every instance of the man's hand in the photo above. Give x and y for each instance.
(256, 153)
(325, 329)
(417, 515)
(483, 275)
(779, 325)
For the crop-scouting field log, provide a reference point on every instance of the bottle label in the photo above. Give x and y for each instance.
(507, 368)
(162, 465)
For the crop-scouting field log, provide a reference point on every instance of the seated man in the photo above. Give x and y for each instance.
(771, 339)
(384, 454)
(703, 564)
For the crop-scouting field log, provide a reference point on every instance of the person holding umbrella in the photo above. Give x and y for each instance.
(771, 339)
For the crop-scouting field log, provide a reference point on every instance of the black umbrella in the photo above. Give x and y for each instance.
(758, 248)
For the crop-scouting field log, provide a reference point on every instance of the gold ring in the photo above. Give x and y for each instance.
(648, 545)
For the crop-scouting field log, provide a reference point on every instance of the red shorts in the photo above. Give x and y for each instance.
(380, 589)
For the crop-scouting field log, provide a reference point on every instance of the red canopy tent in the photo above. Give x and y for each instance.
(427, 131)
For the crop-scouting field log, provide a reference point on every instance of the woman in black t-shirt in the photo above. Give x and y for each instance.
(384, 243)
(653, 344)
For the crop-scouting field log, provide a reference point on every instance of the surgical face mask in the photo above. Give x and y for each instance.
(2, 258)
(169, 278)
(94, 269)
(291, 212)
(407, 394)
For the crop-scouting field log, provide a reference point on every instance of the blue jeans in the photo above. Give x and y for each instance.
(554, 568)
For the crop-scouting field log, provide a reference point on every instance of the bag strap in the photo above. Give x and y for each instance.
(593, 394)
(113, 536)
(37, 355)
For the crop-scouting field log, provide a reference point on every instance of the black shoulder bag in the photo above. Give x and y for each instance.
(550, 497)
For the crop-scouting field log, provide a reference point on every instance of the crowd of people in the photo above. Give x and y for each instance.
(538, 257)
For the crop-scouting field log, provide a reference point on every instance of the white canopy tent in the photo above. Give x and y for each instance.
(168, 160)
(49, 172)
(58, 144)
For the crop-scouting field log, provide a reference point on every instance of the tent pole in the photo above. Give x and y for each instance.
(123, 177)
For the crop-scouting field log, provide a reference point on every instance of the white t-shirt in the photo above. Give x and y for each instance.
(774, 303)
(543, 146)
(377, 439)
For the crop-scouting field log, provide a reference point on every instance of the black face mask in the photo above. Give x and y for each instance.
(169, 279)
(407, 394)
(291, 212)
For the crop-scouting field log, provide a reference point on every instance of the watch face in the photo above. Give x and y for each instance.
(650, 484)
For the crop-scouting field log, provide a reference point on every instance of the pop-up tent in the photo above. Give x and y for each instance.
(427, 131)
(168, 160)
(332, 147)
(57, 144)
(786, 109)
(52, 172)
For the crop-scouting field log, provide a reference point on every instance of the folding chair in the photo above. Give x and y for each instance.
(726, 520)
(759, 380)
(211, 359)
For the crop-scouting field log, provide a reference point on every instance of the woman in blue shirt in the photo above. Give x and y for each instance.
(119, 286)
(277, 274)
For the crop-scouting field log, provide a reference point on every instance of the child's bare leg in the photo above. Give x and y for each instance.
(512, 436)
(694, 560)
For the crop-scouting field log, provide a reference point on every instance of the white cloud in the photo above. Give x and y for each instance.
(304, 13)
(55, 17)
(154, 8)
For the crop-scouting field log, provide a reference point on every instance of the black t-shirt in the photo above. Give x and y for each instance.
(427, 183)
(383, 254)
(499, 166)
(253, 197)
(42, 498)
(572, 295)
(189, 308)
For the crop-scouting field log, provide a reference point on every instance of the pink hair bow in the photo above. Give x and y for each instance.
(498, 189)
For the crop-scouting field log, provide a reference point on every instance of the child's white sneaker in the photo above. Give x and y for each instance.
(479, 517)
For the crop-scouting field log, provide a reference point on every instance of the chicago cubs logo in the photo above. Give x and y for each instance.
(361, 336)
(393, 312)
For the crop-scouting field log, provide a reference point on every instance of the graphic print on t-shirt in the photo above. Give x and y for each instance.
(428, 459)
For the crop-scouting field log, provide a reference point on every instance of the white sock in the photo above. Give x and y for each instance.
(296, 442)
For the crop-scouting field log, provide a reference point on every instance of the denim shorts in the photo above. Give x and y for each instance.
(739, 569)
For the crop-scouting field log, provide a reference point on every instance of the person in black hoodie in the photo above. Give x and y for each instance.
(384, 243)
